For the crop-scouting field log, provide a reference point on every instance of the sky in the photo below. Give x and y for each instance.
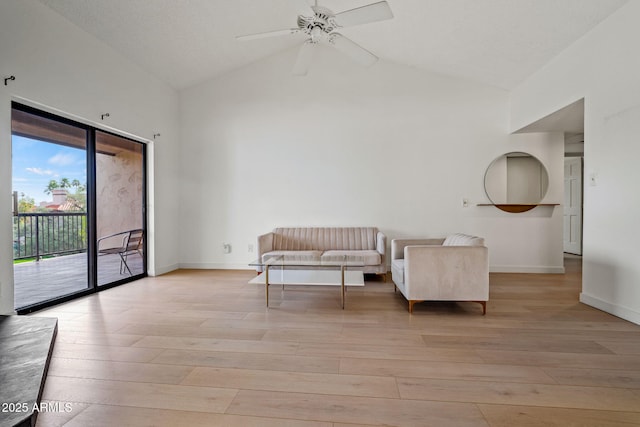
(35, 163)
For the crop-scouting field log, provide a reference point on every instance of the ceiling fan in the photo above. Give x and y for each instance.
(322, 26)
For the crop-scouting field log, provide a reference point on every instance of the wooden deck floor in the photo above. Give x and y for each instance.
(53, 277)
(199, 348)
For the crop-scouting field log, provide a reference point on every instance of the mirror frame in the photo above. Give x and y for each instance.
(515, 207)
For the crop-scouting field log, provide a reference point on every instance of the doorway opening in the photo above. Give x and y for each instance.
(570, 121)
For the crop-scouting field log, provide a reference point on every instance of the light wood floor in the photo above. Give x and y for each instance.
(199, 348)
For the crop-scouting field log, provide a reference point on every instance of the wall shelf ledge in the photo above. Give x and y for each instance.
(518, 208)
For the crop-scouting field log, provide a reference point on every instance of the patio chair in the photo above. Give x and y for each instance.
(131, 244)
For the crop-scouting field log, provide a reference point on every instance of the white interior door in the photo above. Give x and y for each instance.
(573, 205)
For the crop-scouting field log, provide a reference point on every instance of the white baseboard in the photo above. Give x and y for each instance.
(158, 271)
(526, 269)
(617, 310)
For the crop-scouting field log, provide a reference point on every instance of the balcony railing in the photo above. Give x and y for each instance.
(36, 235)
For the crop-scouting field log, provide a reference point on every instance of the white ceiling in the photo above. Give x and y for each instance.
(569, 119)
(186, 42)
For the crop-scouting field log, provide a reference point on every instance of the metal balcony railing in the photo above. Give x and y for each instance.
(36, 235)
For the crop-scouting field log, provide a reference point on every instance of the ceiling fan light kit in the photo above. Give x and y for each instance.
(322, 26)
(321, 22)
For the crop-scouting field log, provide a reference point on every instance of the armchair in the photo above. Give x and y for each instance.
(451, 269)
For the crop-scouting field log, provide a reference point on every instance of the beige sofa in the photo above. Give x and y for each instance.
(328, 242)
(451, 269)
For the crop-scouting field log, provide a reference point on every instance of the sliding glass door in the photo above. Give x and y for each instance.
(49, 160)
(73, 187)
(119, 208)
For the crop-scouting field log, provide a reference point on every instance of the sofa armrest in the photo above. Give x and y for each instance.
(447, 273)
(381, 245)
(398, 245)
(265, 244)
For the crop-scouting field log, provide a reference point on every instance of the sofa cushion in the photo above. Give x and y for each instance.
(460, 239)
(294, 255)
(397, 271)
(368, 257)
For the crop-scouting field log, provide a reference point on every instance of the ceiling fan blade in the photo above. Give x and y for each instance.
(353, 50)
(268, 34)
(361, 15)
(304, 59)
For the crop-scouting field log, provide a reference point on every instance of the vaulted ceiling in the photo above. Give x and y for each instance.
(186, 42)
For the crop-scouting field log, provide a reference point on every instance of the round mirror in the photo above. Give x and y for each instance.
(516, 182)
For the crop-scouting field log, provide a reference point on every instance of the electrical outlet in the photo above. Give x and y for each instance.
(226, 248)
(465, 203)
(250, 248)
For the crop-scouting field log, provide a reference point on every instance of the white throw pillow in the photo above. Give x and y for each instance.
(460, 239)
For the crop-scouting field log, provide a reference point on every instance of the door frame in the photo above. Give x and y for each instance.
(92, 279)
(581, 189)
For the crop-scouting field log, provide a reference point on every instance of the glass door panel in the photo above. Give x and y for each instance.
(49, 161)
(120, 200)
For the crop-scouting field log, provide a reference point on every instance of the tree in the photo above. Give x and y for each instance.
(53, 184)
(77, 185)
(26, 203)
(78, 199)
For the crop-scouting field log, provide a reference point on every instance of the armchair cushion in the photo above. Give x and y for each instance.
(397, 271)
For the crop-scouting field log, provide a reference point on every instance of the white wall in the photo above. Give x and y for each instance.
(388, 146)
(529, 242)
(603, 67)
(67, 71)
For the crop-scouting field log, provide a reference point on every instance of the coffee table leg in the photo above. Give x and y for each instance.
(342, 283)
(266, 285)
